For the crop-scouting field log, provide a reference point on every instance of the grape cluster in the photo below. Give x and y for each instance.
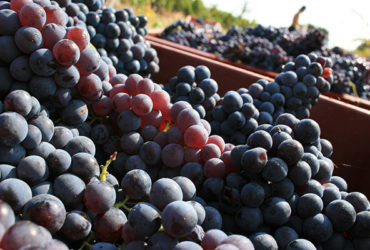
(351, 73)
(235, 45)
(195, 86)
(119, 35)
(293, 42)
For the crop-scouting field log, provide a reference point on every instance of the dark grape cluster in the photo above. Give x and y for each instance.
(195, 86)
(119, 36)
(351, 73)
(235, 45)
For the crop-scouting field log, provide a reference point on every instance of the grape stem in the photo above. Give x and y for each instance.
(86, 242)
(104, 169)
(123, 204)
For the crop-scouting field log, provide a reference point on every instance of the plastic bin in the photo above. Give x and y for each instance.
(346, 126)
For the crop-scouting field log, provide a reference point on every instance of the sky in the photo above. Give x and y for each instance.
(346, 20)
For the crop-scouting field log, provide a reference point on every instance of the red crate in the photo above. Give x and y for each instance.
(154, 37)
(346, 126)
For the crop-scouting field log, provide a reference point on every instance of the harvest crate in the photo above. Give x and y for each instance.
(345, 126)
(154, 37)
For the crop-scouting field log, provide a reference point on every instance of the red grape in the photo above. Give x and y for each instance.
(210, 151)
(55, 14)
(118, 79)
(32, 15)
(89, 61)
(154, 118)
(121, 102)
(187, 118)
(195, 136)
(160, 99)
(112, 71)
(102, 107)
(17, 5)
(119, 88)
(229, 147)
(145, 86)
(80, 36)
(177, 108)
(90, 87)
(175, 135)
(52, 33)
(206, 126)
(216, 139)
(192, 155)
(131, 83)
(66, 52)
(141, 104)
(225, 157)
(214, 167)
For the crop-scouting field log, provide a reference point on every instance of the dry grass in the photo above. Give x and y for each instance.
(155, 20)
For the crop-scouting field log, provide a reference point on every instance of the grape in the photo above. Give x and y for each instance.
(33, 170)
(33, 15)
(276, 211)
(55, 14)
(79, 36)
(13, 128)
(299, 244)
(260, 138)
(42, 87)
(108, 226)
(185, 245)
(61, 137)
(358, 200)
(309, 205)
(69, 189)
(284, 235)
(42, 188)
(52, 33)
(172, 155)
(341, 214)
(127, 121)
(7, 217)
(187, 187)
(291, 151)
(43, 63)
(214, 167)
(136, 184)
(25, 233)
(160, 99)
(318, 228)
(46, 210)
(150, 152)
(90, 87)
(66, 52)
(7, 171)
(80, 144)
(141, 104)
(252, 195)
(18, 101)
(210, 151)
(15, 192)
(20, 70)
(12, 155)
(75, 113)
(195, 136)
(144, 219)
(173, 218)
(28, 39)
(213, 238)
(275, 170)
(99, 196)
(193, 171)
(89, 61)
(165, 191)
(10, 21)
(254, 160)
(213, 219)
(161, 240)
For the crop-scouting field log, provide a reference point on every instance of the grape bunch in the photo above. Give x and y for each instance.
(54, 63)
(351, 73)
(296, 89)
(195, 86)
(119, 35)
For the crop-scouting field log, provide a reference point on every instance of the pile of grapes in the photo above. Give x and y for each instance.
(95, 159)
(270, 48)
